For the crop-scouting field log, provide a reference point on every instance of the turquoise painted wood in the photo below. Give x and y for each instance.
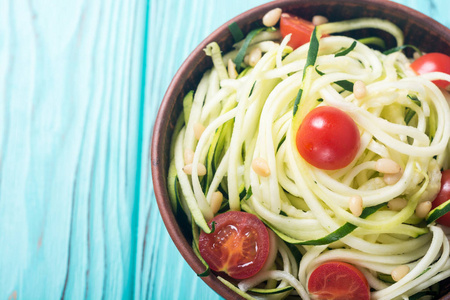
(80, 85)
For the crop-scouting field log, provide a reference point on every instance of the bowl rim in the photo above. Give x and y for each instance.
(168, 103)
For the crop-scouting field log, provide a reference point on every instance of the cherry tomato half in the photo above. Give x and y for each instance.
(301, 29)
(239, 245)
(442, 196)
(338, 281)
(433, 62)
(328, 138)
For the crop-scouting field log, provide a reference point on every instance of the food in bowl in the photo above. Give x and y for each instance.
(310, 169)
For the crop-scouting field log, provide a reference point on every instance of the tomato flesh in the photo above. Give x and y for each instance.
(443, 196)
(300, 29)
(239, 245)
(338, 281)
(433, 62)
(328, 138)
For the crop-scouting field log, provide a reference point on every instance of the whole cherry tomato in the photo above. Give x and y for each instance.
(328, 138)
(433, 62)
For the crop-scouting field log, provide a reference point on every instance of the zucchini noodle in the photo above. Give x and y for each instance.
(402, 117)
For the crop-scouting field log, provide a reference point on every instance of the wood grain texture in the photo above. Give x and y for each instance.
(80, 85)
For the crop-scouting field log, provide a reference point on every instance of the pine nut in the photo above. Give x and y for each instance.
(399, 272)
(319, 20)
(355, 204)
(216, 201)
(201, 169)
(397, 204)
(198, 130)
(261, 167)
(246, 60)
(188, 169)
(391, 179)
(232, 73)
(416, 55)
(271, 17)
(423, 209)
(188, 156)
(359, 89)
(386, 165)
(254, 56)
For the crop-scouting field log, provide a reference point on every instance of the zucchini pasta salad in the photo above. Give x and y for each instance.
(312, 166)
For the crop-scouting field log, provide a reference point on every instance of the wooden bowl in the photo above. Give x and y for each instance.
(419, 30)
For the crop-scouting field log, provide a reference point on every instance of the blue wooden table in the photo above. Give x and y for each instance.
(80, 85)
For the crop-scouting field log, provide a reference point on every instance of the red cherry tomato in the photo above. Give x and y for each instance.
(301, 29)
(239, 245)
(433, 62)
(442, 196)
(338, 281)
(328, 138)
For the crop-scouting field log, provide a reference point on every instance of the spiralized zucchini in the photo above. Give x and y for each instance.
(252, 117)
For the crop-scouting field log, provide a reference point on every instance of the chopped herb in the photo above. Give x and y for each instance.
(236, 32)
(409, 112)
(335, 235)
(297, 254)
(297, 100)
(319, 72)
(346, 51)
(312, 51)
(345, 84)
(281, 142)
(400, 48)
(251, 90)
(249, 193)
(243, 192)
(240, 56)
(213, 226)
(415, 99)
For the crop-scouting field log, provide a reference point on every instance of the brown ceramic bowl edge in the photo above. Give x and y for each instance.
(163, 128)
